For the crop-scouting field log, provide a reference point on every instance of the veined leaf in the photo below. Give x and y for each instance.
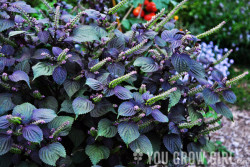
(143, 144)
(97, 153)
(82, 106)
(42, 69)
(128, 132)
(24, 111)
(33, 133)
(58, 121)
(172, 142)
(106, 128)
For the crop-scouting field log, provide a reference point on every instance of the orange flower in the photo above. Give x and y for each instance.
(181, 29)
(176, 18)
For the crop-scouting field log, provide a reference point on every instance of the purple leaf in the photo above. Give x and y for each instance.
(43, 114)
(126, 109)
(59, 75)
(5, 143)
(43, 36)
(222, 109)
(229, 96)
(158, 116)
(123, 93)
(20, 76)
(33, 133)
(217, 75)
(8, 50)
(56, 51)
(4, 123)
(210, 96)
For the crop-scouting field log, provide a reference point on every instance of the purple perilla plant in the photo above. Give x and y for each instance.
(75, 86)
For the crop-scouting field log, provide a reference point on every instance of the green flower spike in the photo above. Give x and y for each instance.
(161, 96)
(169, 16)
(223, 58)
(193, 91)
(62, 55)
(146, 124)
(189, 125)
(73, 22)
(116, 7)
(57, 17)
(234, 80)
(119, 80)
(132, 50)
(213, 129)
(59, 129)
(100, 64)
(213, 121)
(211, 31)
(177, 76)
(154, 19)
(142, 89)
(97, 98)
(47, 5)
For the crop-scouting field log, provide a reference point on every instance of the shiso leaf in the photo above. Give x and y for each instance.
(172, 142)
(51, 153)
(174, 98)
(44, 114)
(5, 143)
(123, 93)
(6, 103)
(143, 144)
(97, 153)
(210, 96)
(42, 69)
(82, 106)
(59, 75)
(229, 96)
(6, 24)
(24, 111)
(158, 116)
(33, 133)
(20, 76)
(128, 131)
(126, 109)
(106, 128)
(222, 109)
(94, 84)
(71, 87)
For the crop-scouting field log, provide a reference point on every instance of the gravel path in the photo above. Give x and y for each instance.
(236, 137)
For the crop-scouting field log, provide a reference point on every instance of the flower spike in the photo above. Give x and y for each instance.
(161, 96)
(100, 64)
(116, 7)
(233, 80)
(213, 121)
(223, 58)
(59, 129)
(57, 17)
(47, 5)
(211, 31)
(213, 129)
(193, 91)
(189, 125)
(168, 17)
(132, 50)
(119, 80)
(154, 19)
(177, 76)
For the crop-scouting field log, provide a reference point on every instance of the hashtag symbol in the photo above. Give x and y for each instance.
(138, 155)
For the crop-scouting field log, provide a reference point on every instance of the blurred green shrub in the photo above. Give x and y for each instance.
(199, 16)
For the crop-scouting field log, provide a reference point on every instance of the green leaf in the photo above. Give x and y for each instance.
(106, 128)
(82, 106)
(128, 131)
(126, 24)
(161, 4)
(25, 111)
(42, 69)
(49, 102)
(71, 87)
(6, 103)
(13, 33)
(85, 33)
(174, 98)
(137, 2)
(76, 136)
(66, 106)
(51, 153)
(193, 114)
(6, 24)
(97, 153)
(143, 144)
(58, 121)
